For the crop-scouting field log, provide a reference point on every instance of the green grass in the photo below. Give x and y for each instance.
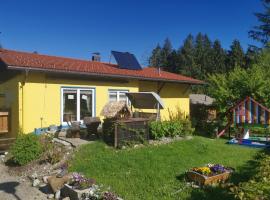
(156, 172)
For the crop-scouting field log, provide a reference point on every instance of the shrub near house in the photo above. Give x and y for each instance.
(26, 148)
(30, 147)
(170, 128)
(257, 187)
(177, 125)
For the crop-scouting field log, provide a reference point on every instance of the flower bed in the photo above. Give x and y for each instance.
(82, 188)
(210, 174)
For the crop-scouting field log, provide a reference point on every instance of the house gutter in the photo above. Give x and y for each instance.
(22, 87)
(105, 75)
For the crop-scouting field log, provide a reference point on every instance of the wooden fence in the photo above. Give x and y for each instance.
(4, 122)
(130, 131)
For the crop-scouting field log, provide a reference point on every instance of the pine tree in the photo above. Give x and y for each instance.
(203, 54)
(173, 62)
(199, 55)
(155, 58)
(165, 53)
(236, 56)
(252, 56)
(261, 32)
(218, 58)
(207, 63)
(186, 57)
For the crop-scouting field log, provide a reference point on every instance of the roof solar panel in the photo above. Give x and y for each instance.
(126, 60)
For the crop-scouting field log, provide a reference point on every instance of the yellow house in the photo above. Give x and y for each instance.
(39, 90)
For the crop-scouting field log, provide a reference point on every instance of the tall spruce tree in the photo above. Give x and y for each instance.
(218, 58)
(252, 56)
(261, 32)
(236, 56)
(165, 53)
(208, 66)
(199, 56)
(186, 57)
(155, 59)
(173, 62)
(203, 55)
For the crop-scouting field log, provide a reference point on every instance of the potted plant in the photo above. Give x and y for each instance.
(209, 174)
(79, 186)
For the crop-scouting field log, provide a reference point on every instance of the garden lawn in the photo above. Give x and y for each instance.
(156, 172)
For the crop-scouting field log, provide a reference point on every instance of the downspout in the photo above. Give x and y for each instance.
(22, 88)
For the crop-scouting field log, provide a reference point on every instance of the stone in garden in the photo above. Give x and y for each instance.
(189, 137)
(36, 182)
(22, 179)
(34, 176)
(57, 195)
(56, 171)
(75, 194)
(45, 179)
(61, 142)
(42, 185)
(2, 157)
(57, 183)
(62, 173)
(62, 133)
(50, 196)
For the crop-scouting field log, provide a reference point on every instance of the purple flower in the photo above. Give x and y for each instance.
(218, 168)
(79, 181)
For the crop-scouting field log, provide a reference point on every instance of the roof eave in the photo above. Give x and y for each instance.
(23, 68)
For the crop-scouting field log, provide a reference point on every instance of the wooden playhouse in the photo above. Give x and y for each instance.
(245, 114)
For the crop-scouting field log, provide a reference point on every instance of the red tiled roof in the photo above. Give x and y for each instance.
(32, 61)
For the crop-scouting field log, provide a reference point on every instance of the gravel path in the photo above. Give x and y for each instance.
(15, 188)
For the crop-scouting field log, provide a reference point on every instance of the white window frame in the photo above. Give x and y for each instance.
(78, 90)
(117, 94)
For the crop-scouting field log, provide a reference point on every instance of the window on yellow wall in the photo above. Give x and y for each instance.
(118, 95)
(77, 103)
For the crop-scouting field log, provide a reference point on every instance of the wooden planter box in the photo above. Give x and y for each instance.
(207, 180)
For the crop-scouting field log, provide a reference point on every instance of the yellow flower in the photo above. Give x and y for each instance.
(202, 170)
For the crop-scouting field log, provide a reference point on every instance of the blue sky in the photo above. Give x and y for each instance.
(79, 27)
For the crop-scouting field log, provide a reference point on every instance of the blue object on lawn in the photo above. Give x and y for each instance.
(248, 143)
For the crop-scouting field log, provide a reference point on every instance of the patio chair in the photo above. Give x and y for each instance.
(74, 127)
(92, 124)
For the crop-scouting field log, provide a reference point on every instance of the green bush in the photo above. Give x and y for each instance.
(156, 129)
(52, 152)
(259, 131)
(108, 130)
(159, 129)
(259, 186)
(26, 148)
(187, 127)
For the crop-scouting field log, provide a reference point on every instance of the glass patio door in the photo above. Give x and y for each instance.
(76, 104)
